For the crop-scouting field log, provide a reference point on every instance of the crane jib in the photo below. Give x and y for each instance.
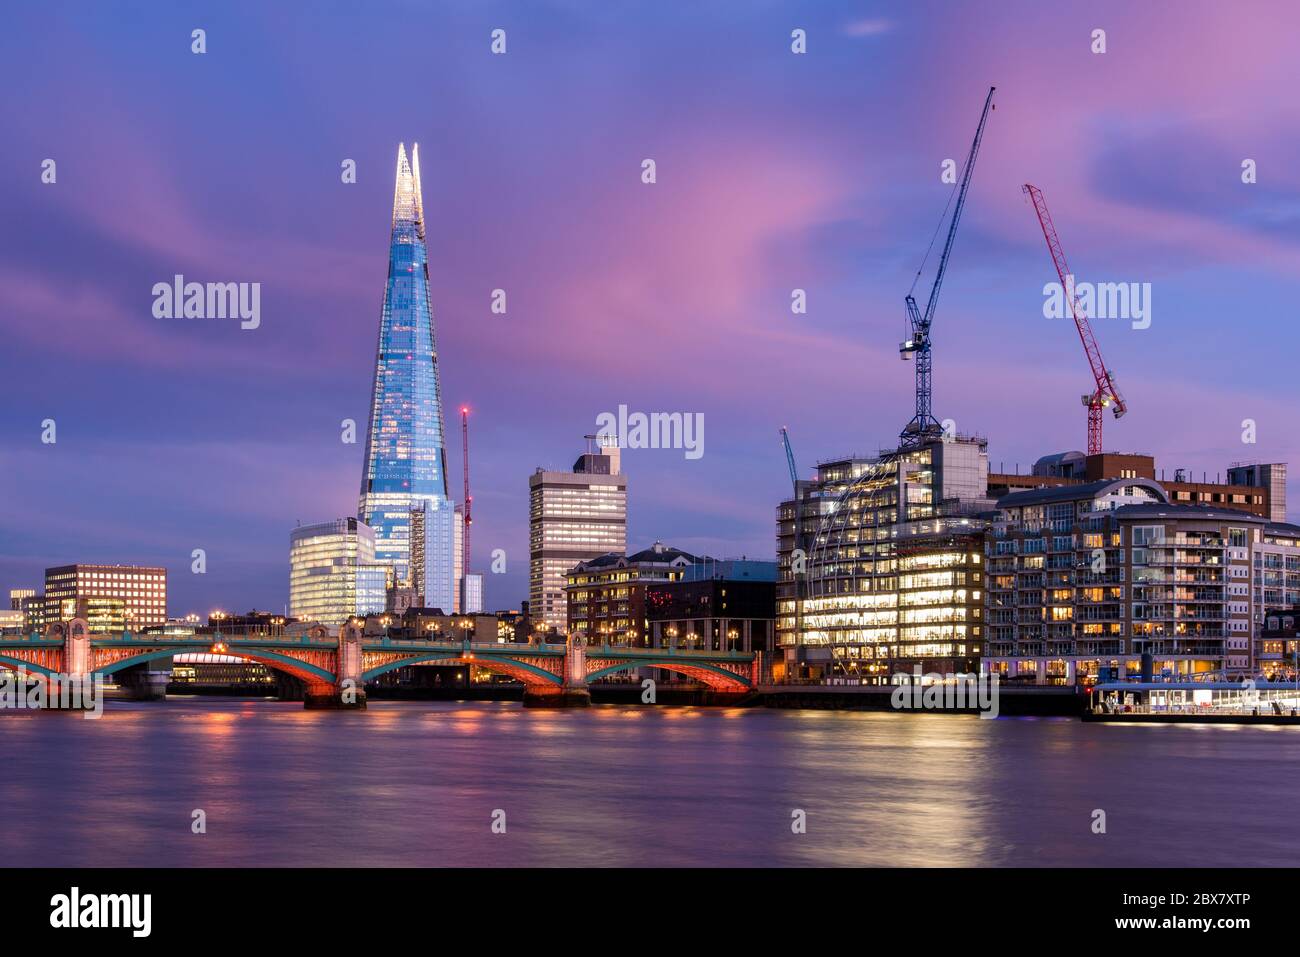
(923, 423)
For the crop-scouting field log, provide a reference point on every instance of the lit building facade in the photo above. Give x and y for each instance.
(893, 557)
(572, 517)
(333, 574)
(607, 595)
(1275, 583)
(727, 605)
(434, 564)
(142, 590)
(471, 594)
(405, 459)
(1270, 476)
(1258, 489)
(103, 616)
(1278, 644)
(1092, 577)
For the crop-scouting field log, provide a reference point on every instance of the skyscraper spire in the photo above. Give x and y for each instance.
(408, 203)
(406, 465)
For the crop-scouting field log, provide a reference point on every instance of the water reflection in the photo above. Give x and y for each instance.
(416, 784)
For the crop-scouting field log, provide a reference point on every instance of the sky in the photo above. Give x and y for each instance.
(775, 171)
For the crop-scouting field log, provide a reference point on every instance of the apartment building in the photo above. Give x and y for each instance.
(1093, 576)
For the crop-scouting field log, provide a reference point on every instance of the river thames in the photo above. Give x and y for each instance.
(419, 783)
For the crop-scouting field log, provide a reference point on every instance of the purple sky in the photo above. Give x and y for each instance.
(775, 171)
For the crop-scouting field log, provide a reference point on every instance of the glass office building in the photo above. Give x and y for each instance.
(434, 560)
(405, 464)
(892, 552)
(333, 574)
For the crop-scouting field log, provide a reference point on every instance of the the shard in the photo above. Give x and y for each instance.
(406, 461)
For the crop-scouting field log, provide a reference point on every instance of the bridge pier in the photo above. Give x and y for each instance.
(572, 693)
(348, 693)
(334, 698)
(144, 685)
(556, 697)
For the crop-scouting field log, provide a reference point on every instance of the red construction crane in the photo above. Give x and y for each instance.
(469, 519)
(1105, 394)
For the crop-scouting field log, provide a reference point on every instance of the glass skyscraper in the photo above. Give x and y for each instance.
(406, 460)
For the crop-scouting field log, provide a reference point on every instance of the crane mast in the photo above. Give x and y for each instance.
(464, 438)
(1105, 393)
(800, 543)
(924, 425)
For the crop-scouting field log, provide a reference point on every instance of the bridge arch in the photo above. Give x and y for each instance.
(519, 670)
(715, 677)
(18, 664)
(302, 670)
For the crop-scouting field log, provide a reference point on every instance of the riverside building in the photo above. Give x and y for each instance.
(891, 550)
(727, 605)
(607, 595)
(1088, 577)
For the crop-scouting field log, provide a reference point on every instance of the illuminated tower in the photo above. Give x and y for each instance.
(405, 464)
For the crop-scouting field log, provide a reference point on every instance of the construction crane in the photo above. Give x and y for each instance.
(1105, 394)
(924, 425)
(800, 544)
(469, 518)
(789, 458)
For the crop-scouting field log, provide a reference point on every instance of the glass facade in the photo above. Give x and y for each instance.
(891, 554)
(333, 574)
(434, 569)
(405, 462)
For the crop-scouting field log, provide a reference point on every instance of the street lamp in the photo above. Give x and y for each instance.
(731, 639)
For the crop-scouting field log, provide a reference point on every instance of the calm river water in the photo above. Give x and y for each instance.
(415, 783)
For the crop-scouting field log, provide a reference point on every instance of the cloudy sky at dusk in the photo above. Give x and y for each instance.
(775, 171)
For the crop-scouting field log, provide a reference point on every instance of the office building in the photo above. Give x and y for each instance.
(405, 459)
(607, 595)
(572, 517)
(333, 574)
(434, 568)
(891, 549)
(471, 600)
(725, 605)
(142, 591)
(16, 596)
(103, 615)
